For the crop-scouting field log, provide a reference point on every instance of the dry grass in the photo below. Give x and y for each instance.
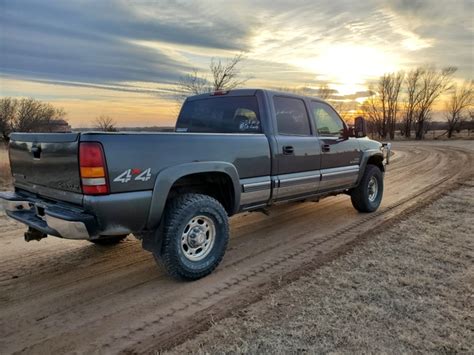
(436, 135)
(409, 289)
(5, 174)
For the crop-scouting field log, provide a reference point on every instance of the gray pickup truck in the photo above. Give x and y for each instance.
(235, 151)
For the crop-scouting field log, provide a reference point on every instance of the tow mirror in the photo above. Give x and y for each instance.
(347, 132)
(360, 127)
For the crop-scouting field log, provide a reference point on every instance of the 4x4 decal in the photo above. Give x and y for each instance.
(128, 175)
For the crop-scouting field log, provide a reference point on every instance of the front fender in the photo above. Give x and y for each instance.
(167, 177)
(366, 155)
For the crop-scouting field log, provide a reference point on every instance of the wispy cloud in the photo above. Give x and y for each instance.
(142, 47)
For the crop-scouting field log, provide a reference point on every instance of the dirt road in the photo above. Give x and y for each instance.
(58, 295)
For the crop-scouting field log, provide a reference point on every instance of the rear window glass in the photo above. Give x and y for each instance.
(220, 115)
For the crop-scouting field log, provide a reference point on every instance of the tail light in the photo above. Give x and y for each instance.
(93, 169)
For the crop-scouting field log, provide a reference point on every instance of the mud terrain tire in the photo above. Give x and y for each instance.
(195, 236)
(367, 196)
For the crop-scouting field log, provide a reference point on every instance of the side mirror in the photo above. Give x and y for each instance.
(348, 132)
(360, 127)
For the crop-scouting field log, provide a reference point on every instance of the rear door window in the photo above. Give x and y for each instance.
(291, 116)
(238, 114)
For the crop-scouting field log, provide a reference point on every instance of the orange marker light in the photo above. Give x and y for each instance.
(92, 172)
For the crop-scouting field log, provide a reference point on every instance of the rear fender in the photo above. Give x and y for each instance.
(167, 177)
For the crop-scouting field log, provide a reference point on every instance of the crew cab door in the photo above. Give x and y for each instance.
(298, 151)
(340, 156)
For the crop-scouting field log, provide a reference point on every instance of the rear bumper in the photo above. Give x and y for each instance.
(49, 218)
(108, 215)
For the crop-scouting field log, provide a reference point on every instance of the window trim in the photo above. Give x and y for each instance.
(344, 126)
(311, 133)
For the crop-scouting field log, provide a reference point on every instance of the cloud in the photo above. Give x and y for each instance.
(94, 41)
(144, 46)
(441, 32)
(149, 40)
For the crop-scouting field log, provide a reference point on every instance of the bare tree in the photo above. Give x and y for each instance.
(324, 92)
(459, 101)
(343, 108)
(470, 124)
(8, 108)
(373, 111)
(414, 92)
(192, 84)
(392, 84)
(382, 107)
(225, 75)
(424, 86)
(105, 124)
(27, 115)
(433, 84)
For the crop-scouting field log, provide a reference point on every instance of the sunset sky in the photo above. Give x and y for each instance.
(123, 58)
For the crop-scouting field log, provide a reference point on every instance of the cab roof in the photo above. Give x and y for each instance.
(250, 92)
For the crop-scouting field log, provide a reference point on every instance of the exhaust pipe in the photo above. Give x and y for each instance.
(34, 234)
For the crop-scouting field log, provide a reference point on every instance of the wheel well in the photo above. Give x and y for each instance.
(376, 160)
(215, 184)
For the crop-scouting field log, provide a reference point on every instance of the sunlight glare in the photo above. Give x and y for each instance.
(349, 67)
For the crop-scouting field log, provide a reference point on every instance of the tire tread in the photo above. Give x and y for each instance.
(173, 219)
(359, 196)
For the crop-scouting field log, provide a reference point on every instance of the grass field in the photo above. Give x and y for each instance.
(408, 290)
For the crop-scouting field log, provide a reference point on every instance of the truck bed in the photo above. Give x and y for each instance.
(47, 164)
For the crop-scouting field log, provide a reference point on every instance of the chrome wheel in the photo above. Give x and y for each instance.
(373, 189)
(198, 238)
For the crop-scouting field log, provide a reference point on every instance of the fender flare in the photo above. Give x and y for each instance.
(366, 155)
(168, 176)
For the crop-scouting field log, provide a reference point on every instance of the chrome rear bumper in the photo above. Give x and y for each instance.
(48, 217)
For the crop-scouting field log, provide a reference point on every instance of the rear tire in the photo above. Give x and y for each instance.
(109, 240)
(367, 196)
(195, 236)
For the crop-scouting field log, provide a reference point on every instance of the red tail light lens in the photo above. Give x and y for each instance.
(93, 169)
(95, 189)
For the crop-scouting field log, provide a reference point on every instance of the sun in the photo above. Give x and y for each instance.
(348, 67)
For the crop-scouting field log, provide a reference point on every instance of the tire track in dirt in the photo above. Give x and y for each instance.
(77, 297)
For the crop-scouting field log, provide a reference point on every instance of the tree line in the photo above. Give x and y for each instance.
(401, 101)
(27, 115)
(31, 115)
(407, 101)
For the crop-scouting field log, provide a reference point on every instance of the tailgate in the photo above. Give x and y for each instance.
(43, 162)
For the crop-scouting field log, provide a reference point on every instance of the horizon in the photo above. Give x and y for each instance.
(123, 60)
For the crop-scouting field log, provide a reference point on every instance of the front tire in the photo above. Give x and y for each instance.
(195, 236)
(367, 196)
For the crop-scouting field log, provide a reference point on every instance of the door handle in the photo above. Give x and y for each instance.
(326, 148)
(36, 150)
(288, 150)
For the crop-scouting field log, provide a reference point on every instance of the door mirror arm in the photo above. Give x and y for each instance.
(347, 132)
